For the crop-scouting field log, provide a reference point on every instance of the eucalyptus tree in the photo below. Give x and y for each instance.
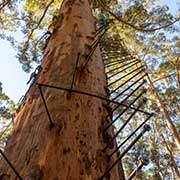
(58, 134)
(68, 138)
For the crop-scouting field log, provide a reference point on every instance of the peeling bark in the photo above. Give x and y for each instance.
(72, 148)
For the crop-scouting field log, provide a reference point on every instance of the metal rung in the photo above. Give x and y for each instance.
(121, 113)
(45, 105)
(119, 56)
(112, 63)
(121, 93)
(127, 121)
(145, 129)
(89, 94)
(122, 66)
(140, 85)
(141, 67)
(133, 133)
(115, 74)
(127, 81)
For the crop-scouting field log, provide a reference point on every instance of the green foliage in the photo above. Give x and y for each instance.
(159, 50)
(9, 16)
(7, 111)
(7, 106)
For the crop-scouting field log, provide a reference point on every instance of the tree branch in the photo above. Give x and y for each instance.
(38, 41)
(41, 19)
(105, 8)
(3, 4)
(5, 129)
(164, 77)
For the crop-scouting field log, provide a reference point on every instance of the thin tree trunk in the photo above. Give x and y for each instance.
(163, 109)
(161, 174)
(178, 76)
(72, 149)
(177, 71)
(173, 173)
(171, 156)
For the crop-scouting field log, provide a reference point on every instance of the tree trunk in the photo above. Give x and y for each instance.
(163, 109)
(72, 148)
(178, 76)
(174, 164)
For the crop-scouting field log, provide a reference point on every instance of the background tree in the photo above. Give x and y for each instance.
(7, 111)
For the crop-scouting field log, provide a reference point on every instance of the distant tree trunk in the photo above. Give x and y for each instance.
(72, 148)
(173, 174)
(178, 76)
(174, 164)
(167, 117)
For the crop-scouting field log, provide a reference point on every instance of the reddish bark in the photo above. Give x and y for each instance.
(72, 149)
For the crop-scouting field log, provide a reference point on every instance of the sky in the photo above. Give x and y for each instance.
(12, 76)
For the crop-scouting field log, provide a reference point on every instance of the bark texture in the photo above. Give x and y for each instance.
(166, 114)
(72, 149)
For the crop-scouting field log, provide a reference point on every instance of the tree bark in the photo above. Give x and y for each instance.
(72, 148)
(174, 164)
(163, 109)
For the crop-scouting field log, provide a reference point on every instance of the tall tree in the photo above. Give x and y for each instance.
(163, 109)
(67, 143)
(142, 25)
